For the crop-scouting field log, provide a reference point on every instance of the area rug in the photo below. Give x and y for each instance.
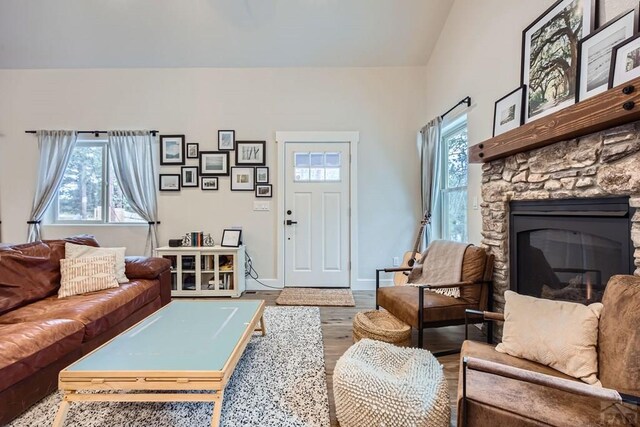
(319, 297)
(279, 382)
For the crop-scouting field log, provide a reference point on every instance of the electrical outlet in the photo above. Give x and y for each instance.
(396, 261)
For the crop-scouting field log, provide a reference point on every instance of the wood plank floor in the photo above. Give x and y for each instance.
(336, 332)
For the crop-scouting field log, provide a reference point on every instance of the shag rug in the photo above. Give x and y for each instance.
(317, 297)
(279, 382)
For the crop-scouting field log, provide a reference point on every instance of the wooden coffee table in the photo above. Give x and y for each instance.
(185, 346)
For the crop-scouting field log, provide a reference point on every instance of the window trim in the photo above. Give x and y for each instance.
(450, 129)
(106, 192)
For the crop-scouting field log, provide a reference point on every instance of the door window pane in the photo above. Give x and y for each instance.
(317, 174)
(301, 174)
(332, 159)
(80, 194)
(332, 174)
(301, 160)
(317, 167)
(317, 159)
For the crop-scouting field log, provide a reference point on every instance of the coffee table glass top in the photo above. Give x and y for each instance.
(183, 336)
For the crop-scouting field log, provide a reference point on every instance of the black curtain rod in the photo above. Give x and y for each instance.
(466, 100)
(95, 132)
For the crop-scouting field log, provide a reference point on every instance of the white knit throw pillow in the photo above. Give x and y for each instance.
(82, 275)
(559, 334)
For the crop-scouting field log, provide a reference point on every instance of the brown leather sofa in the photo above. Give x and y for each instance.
(498, 389)
(41, 334)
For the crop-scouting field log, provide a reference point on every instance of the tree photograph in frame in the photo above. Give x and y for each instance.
(169, 182)
(242, 179)
(226, 140)
(250, 153)
(263, 190)
(172, 150)
(214, 163)
(625, 62)
(192, 150)
(262, 175)
(189, 176)
(550, 56)
(595, 54)
(209, 183)
(508, 111)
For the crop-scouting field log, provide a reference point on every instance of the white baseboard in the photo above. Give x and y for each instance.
(252, 285)
(359, 285)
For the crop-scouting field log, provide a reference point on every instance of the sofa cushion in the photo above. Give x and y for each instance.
(27, 347)
(402, 302)
(84, 275)
(98, 311)
(619, 335)
(27, 274)
(560, 334)
(72, 251)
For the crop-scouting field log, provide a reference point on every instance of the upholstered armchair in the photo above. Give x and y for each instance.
(498, 389)
(421, 308)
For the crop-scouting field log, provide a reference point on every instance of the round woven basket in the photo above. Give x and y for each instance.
(381, 326)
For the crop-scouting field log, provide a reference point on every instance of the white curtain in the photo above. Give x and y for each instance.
(431, 176)
(131, 154)
(55, 148)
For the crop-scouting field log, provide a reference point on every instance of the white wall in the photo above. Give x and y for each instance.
(384, 104)
(478, 54)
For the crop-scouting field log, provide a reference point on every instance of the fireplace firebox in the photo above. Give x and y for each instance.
(568, 249)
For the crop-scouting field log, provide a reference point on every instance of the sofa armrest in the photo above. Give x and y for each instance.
(574, 387)
(137, 267)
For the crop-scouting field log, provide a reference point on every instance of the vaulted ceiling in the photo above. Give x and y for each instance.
(218, 33)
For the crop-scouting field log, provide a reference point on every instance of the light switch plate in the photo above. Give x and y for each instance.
(262, 206)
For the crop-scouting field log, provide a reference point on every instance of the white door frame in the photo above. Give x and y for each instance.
(353, 139)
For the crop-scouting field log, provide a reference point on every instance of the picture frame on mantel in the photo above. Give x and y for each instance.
(625, 61)
(550, 63)
(606, 10)
(595, 53)
(508, 112)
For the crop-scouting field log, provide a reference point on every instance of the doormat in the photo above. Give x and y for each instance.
(317, 297)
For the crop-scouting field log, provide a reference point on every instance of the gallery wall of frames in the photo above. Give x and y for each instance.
(204, 168)
(574, 50)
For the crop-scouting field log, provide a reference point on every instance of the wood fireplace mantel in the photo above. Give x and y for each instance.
(614, 107)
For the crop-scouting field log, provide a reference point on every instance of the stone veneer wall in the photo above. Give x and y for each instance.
(602, 164)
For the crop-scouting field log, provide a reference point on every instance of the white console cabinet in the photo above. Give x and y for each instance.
(209, 271)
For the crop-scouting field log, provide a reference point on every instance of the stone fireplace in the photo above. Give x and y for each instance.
(601, 165)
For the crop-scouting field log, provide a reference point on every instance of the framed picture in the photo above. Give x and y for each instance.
(242, 179)
(214, 163)
(226, 140)
(209, 183)
(192, 150)
(169, 182)
(172, 150)
(250, 153)
(606, 10)
(189, 176)
(263, 190)
(595, 54)
(550, 56)
(231, 238)
(262, 175)
(509, 111)
(625, 62)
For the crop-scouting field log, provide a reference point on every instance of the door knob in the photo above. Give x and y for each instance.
(289, 222)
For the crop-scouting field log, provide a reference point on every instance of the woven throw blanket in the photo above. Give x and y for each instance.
(443, 265)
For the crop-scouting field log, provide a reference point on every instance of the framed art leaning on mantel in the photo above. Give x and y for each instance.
(550, 56)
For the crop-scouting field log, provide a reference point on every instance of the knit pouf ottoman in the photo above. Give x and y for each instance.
(380, 384)
(382, 326)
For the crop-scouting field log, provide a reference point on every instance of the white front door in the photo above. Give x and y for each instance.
(317, 214)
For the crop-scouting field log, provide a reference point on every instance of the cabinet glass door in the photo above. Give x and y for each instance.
(173, 259)
(208, 272)
(226, 263)
(188, 263)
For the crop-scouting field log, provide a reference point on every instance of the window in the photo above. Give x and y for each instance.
(454, 180)
(317, 167)
(89, 192)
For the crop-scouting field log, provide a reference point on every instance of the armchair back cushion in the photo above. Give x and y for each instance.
(619, 335)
